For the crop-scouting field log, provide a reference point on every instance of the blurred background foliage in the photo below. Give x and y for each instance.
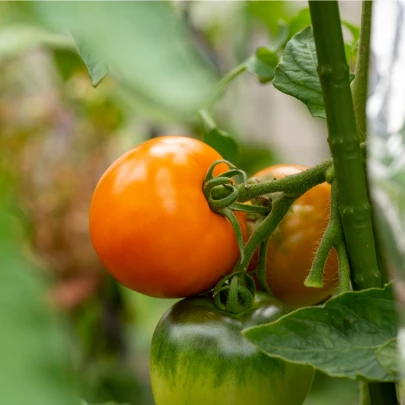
(68, 330)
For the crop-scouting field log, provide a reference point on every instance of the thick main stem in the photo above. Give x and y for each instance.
(381, 394)
(345, 148)
(344, 144)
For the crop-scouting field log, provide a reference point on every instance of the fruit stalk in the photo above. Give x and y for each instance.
(294, 185)
(359, 85)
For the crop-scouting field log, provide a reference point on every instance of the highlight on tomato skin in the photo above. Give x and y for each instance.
(293, 245)
(151, 225)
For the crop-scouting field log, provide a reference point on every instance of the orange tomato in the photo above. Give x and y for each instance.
(293, 245)
(151, 225)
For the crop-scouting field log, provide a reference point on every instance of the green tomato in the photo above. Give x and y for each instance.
(200, 357)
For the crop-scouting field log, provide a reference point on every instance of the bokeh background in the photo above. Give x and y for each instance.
(68, 330)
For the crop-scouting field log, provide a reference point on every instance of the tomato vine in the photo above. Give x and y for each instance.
(283, 193)
(350, 230)
(353, 222)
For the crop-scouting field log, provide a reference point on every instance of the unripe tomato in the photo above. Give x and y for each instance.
(151, 225)
(293, 245)
(200, 357)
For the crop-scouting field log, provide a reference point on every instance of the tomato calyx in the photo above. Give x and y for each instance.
(221, 192)
(235, 292)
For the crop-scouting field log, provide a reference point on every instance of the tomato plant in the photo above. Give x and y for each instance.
(161, 216)
(199, 356)
(151, 225)
(292, 247)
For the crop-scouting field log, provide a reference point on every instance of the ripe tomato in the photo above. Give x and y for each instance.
(200, 357)
(151, 225)
(292, 247)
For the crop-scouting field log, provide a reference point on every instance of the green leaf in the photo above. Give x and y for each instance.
(97, 69)
(352, 47)
(16, 39)
(354, 30)
(303, 19)
(218, 139)
(297, 75)
(299, 22)
(270, 13)
(254, 157)
(145, 46)
(263, 64)
(387, 356)
(282, 37)
(340, 338)
(222, 142)
(351, 50)
(35, 366)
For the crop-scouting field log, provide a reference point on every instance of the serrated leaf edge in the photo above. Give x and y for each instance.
(359, 376)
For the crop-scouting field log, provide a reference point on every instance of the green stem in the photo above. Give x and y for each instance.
(364, 394)
(263, 232)
(251, 209)
(227, 212)
(359, 85)
(344, 144)
(332, 238)
(234, 293)
(207, 120)
(224, 83)
(225, 201)
(339, 240)
(261, 267)
(382, 394)
(315, 276)
(293, 185)
(344, 267)
(348, 163)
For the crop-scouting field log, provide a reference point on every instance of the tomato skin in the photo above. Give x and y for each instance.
(151, 225)
(292, 248)
(200, 357)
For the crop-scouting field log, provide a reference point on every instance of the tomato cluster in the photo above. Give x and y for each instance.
(152, 227)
